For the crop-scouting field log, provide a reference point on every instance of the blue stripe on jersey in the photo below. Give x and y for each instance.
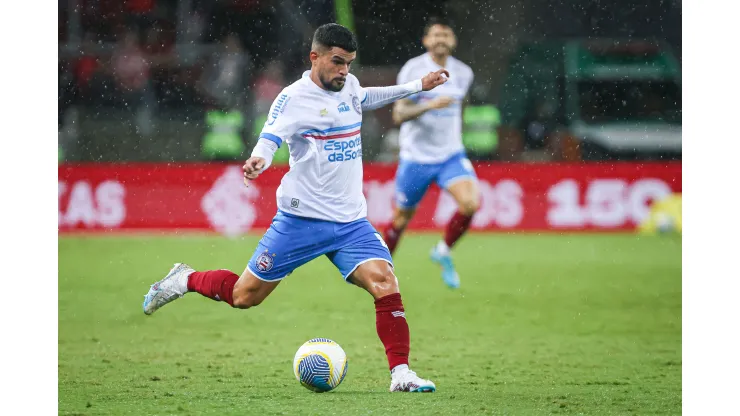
(364, 99)
(331, 129)
(272, 138)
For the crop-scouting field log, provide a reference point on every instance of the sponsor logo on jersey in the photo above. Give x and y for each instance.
(278, 108)
(343, 107)
(344, 150)
(342, 143)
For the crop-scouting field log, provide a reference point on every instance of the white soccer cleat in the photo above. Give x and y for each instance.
(407, 381)
(172, 287)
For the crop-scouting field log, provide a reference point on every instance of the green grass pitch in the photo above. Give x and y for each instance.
(543, 324)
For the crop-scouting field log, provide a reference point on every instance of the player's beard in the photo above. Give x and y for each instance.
(442, 49)
(333, 84)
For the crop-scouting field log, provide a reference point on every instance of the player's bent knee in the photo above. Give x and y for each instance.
(377, 278)
(246, 298)
(470, 207)
(384, 284)
(249, 291)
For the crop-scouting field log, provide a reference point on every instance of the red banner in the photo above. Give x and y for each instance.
(535, 197)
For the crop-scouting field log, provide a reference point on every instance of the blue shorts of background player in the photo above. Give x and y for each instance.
(455, 175)
(293, 241)
(413, 179)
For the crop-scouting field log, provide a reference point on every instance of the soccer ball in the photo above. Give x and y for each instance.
(320, 365)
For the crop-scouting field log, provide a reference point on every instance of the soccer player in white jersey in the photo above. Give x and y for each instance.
(431, 146)
(321, 207)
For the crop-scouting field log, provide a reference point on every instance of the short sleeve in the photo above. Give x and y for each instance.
(280, 122)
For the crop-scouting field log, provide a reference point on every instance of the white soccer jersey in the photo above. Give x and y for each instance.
(437, 134)
(322, 130)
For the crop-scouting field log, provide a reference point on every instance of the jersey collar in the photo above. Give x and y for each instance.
(428, 57)
(306, 77)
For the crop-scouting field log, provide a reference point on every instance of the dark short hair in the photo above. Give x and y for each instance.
(332, 34)
(435, 20)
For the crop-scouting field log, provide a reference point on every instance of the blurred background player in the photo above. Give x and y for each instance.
(431, 145)
(321, 207)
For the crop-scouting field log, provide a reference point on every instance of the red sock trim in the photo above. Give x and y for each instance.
(388, 303)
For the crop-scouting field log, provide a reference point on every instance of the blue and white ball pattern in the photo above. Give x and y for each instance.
(320, 365)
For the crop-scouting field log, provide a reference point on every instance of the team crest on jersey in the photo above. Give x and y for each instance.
(265, 262)
(343, 107)
(356, 105)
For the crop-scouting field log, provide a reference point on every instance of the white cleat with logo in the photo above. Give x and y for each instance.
(406, 380)
(173, 286)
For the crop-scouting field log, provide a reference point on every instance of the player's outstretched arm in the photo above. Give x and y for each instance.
(260, 160)
(376, 97)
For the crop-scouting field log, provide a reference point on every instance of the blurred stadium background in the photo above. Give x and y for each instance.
(191, 81)
(150, 80)
(574, 126)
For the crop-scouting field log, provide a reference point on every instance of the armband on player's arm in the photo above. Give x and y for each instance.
(376, 97)
(265, 149)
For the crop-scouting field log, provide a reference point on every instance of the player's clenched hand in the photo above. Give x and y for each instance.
(440, 102)
(434, 79)
(252, 168)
